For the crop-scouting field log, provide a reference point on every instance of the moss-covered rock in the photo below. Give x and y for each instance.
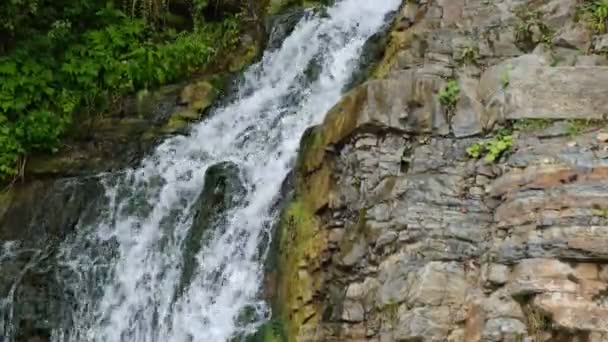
(302, 240)
(272, 331)
(400, 38)
(198, 95)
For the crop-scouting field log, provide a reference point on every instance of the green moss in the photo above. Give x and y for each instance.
(578, 126)
(399, 40)
(300, 241)
(271, 331)
(300, 246)
(50, 164)
(527, 125)
(601, 212)
(310, 142)
(176, 124)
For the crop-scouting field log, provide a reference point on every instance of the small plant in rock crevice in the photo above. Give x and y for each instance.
(491, 150)
(450, 95)
(536, 321)
(579, 126)
(531, 29)
(469, 55)
(601, 212)
(527, 125)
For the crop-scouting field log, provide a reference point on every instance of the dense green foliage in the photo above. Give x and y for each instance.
(64, 57)
(597, 13)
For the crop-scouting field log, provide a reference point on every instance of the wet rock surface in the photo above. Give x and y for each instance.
(409, 235)
(223, 190)
(34, 219)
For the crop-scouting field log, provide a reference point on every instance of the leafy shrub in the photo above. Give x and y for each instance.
(491, 149)
(49, 77)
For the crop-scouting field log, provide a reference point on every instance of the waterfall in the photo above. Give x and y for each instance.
(123, 270)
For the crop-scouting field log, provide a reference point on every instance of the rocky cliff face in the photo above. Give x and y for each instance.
(481, 215)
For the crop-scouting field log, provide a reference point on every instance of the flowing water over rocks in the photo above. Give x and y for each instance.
(139, 265)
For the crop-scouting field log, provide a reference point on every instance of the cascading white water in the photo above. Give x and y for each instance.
(124, 269)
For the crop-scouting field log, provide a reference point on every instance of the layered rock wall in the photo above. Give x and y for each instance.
(419, 219)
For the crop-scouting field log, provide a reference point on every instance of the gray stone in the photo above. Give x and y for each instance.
(336, 235)
(469, 118)
(600, 43)
(556, 129)
(406, 101)
(525, 89)
(503, 329)
(428, 324)
(438, 284)
(394, 280)
(353, 311)
(591, 60)
(498, 274)
(573, 36)
(355, 252)
(500, 304)
(603, 275)
(386, 238)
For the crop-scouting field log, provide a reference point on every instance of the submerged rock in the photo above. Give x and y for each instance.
(281, 26)
(223, 191)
